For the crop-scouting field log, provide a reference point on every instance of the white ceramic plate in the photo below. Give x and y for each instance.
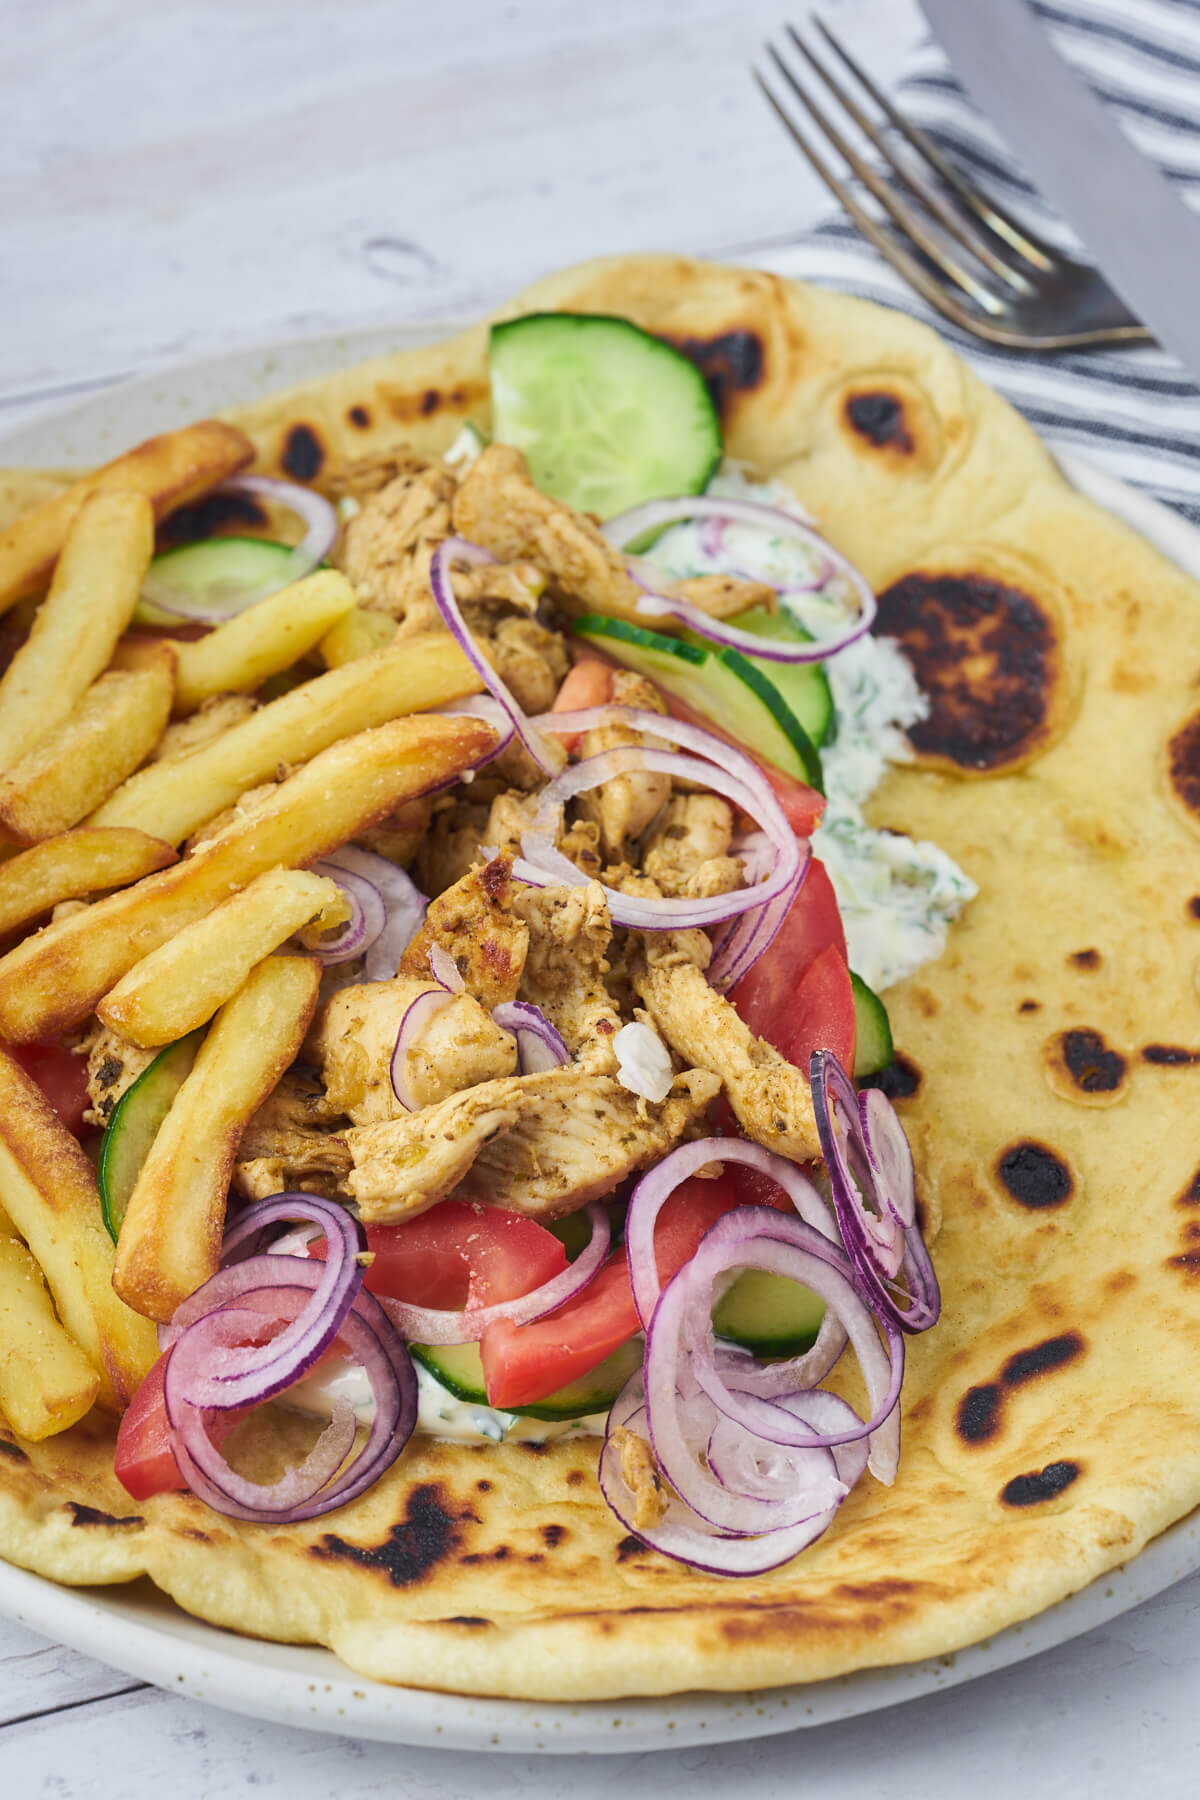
(138, 1630)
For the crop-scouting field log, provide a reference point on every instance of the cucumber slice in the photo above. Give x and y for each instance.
(458, 1368)
(213, 573)
(722, 685)
(134, 1124)
(804, 687)
(769, 1314)
(873, 1049)
(606, 415)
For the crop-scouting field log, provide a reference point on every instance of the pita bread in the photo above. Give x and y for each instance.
(1049, 1078)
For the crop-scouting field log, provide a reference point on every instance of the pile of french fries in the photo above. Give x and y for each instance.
(95, 804)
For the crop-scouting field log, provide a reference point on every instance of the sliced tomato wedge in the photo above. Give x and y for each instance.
(523, 1364)
(62, 1077)
(798, 994)
(458, 1255)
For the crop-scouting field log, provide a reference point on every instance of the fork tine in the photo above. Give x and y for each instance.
(906, 266)
(998, 222)
(930, 196)
(908, 221)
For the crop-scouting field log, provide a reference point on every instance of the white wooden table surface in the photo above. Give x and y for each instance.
(179, 177)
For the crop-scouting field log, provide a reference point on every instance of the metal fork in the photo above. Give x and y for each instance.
(1009, 287)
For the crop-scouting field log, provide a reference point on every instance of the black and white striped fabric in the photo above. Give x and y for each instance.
(1135, 412)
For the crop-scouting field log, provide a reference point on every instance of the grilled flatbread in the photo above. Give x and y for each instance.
(1049, 1078)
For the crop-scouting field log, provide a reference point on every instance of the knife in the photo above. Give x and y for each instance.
(1133, 222)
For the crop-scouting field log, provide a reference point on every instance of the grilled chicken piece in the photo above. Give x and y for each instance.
(366, 475)
(770, 1098)
(531, 659)
(640, 1473)
(498, 506)
(214, 717)
(475, 921)
(403, 1166)
(355, 1032)
(687, 852)
(399, 836)
(569, 935)
(578, 1135)
(624, 806)
(381, 545)
(112, 1067)
(450, 848)
(292, 1143)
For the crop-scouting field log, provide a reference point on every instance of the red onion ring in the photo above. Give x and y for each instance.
(418, 1016)
(547, 756)
(627, 527)
(445, 970)
(487, 708)
(539, 1045)
(655, 1189)
(243, 1377)
(393, 908)
(427, 1325)
(680, 1534)
(307, 1492)
(888, 1253)
(318, 516)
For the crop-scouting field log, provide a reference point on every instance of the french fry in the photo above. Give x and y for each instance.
(91, 600)
(46, 1382)
(180, 985)
(55, 979)
(169, 470)
(48, 1189)
(171, 1234)
(355, 635)
(171, 799)
(78, 764)
(237, 657)
(70, 866)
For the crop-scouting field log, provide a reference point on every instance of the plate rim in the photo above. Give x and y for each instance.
(147, 1635)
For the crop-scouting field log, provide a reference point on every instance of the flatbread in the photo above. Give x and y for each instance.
(1049, 1078)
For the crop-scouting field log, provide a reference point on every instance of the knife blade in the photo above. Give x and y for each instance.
(1134, 224)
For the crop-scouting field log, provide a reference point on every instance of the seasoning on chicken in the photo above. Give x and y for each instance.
(475, 922)
(686, 854)
(292, 1142)
(112, 1066)
(403, 1166)
(355, 1032)
(771, 1099)
(569, 935)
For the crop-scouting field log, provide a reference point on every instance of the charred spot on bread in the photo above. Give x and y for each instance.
(303, 454)
(91, 1515)
(218, 514)
(1081, 1066)
(1035, 1175)
(988, 658)
(1040, 1485)
(732, 363)
(879, 417)
(427, 1535)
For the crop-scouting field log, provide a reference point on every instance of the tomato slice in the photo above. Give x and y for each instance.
(523, 1364)
(798, 994)
(62, 1077)
(144, 1460)
(459, 1255)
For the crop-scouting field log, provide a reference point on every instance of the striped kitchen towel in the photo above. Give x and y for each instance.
(1135, 412)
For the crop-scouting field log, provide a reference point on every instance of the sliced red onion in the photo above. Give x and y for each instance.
(540, 1046)
(680, 1359)
(547, 756)
(727, 771)
(487, 708)
(318, 516)
(680, 1534)
(246, 1376)
(873, 1197)
(418, 1016)
(368, 916)
(655, 514)
(427, 1325)
(445, 970)
(391, 901)
(316, 1487)
(655, 1189)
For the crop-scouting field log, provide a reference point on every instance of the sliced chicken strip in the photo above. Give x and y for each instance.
(578, 1136)
(292, 1143)
(771, 1099)
(569, 935)
(474, 920)
(403, 1166)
